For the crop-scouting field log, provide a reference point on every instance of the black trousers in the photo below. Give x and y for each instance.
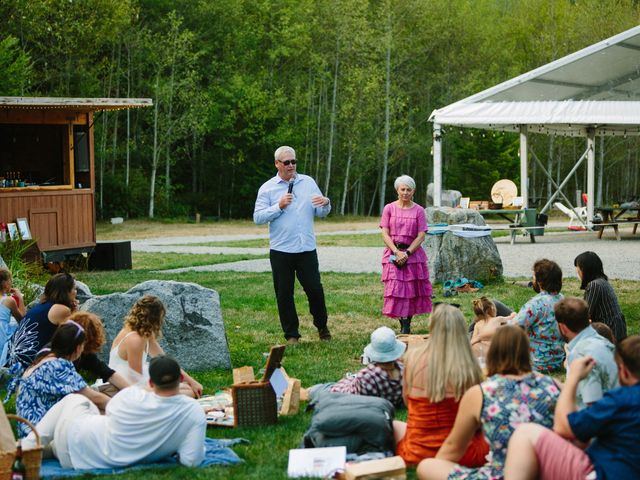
(285, 267)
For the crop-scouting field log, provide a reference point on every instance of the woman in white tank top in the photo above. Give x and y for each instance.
(138, 340)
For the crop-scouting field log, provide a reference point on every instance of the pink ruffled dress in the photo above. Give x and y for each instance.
(407, 290)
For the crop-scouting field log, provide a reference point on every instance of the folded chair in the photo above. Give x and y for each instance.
(575, 215)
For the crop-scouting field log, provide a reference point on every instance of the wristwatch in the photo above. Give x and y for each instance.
(408, 252)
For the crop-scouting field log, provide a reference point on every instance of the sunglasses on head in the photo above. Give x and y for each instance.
(77, 325)
(286, 163)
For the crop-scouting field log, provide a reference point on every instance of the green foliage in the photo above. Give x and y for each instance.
(126, 201)
(15, 68)
(479, 159)
(25, 266)
(233, 79)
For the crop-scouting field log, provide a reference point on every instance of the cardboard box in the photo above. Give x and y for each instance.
(412, 340)
(291, 398)
(392, 468)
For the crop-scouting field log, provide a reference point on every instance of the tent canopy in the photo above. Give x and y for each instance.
(598, 86)
(595, 91)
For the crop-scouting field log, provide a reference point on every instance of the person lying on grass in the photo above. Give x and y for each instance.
(138, 339)
(140, 425)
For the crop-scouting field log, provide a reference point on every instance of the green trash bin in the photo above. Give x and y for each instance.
(531, 220)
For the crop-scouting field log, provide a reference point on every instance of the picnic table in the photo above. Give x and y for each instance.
(612, 217)
(519, 219)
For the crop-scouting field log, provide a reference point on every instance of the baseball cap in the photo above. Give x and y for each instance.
(164, 370)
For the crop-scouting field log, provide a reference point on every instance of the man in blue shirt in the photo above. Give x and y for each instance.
(572, 315)
(288, 203)
(612, 424)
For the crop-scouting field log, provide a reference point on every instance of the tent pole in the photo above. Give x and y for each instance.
(437, 165)
(524, 167)
(591, 163)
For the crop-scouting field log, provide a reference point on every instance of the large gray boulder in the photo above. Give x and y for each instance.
(84, 292)
(451, 256)
(193, 331)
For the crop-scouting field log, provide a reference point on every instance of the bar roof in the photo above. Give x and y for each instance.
(75, 104)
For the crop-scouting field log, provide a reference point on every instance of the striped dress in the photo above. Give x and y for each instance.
(604, 307)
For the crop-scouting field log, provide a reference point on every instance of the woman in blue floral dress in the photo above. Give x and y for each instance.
(52, 376)
(513, 394)
(538, 319)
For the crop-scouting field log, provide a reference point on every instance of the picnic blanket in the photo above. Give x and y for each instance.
(217, 453)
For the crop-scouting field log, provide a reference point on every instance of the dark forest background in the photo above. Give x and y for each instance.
(349, 83)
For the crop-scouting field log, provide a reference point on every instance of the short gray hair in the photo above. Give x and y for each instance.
(283, 149)
(404, 180)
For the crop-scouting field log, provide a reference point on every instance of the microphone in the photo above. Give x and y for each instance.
(290, 189)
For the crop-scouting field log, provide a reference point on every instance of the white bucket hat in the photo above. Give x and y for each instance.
(384, 347)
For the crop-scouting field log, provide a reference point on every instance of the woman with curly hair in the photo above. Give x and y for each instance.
(112, 381)
(138, 340)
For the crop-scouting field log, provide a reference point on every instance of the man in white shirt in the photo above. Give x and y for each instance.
(139, 426)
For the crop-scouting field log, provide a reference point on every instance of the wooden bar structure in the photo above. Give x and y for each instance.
(47, 144)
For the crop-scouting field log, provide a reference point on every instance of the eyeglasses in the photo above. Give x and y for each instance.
(78, 326)
(286, 163)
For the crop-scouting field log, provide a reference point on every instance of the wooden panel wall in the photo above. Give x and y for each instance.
(71, 213)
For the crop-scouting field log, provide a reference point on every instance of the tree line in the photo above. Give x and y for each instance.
(349, 83)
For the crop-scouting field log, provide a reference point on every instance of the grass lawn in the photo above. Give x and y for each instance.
(354, 302)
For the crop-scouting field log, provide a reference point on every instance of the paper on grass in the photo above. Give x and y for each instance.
(278, 382)
(316, 462)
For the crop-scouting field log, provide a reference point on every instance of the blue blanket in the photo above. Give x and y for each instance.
(217, 453)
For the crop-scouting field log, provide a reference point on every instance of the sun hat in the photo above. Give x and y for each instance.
(384, 347)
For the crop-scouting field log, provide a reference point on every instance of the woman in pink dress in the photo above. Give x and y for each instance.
(407, 289)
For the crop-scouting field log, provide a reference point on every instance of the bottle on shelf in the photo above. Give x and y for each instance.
(18, 470)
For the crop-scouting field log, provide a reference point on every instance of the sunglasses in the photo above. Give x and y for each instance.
(286, 163)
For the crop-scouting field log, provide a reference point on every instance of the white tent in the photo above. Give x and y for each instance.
(595, 91)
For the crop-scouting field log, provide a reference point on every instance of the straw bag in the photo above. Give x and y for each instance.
(32, 459)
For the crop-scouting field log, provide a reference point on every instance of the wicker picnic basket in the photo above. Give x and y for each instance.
(32, 459)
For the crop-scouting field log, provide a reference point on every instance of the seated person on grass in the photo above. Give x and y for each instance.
(538, 318)
(382, 377)
(604, 331)
(89, 362)
(513, 394)
(572, 315)
(138, 340)
(11, 305)
(611, 424)
(437, 373)
(52, 376)
(140, 426)
(485, 323)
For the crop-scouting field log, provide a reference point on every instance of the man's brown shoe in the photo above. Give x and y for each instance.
(293, 341)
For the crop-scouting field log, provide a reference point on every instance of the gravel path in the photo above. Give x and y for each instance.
(621, 259)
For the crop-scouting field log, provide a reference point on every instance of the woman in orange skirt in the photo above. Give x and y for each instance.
(437, 373)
